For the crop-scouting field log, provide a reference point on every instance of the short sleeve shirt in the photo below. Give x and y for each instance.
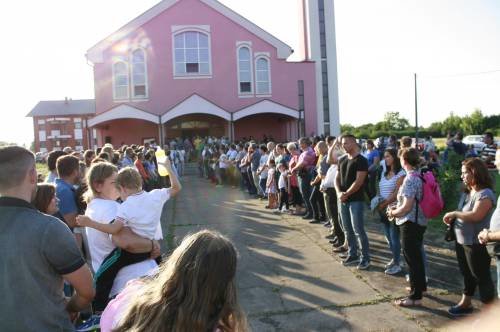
(466, 232)
(307, 158)
(323, 166)
(255, 161)
(348, 169)
(142, 212)
(37, 250)
(411, 188)
(65, 193)
(370, 156)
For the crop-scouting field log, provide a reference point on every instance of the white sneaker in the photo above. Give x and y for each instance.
(285, 210)
(276, 210)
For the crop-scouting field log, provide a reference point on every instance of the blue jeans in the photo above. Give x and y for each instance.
(352, 214)
(392, 236)
(305, 190)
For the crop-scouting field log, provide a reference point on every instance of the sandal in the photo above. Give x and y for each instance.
(408, 303)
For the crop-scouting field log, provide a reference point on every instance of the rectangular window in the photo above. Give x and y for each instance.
(78, 125)
(245, 87)
(42, 145)
(192, 67)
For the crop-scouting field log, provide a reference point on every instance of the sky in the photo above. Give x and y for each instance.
(380, 44)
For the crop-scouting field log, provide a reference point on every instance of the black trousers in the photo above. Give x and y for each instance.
(317, 203)
(412, 236)
(284, 198)
(474, 263)
(332, 213)
(104, 277)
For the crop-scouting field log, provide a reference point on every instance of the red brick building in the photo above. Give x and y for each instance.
(62, 123)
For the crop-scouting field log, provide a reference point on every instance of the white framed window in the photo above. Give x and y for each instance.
(262, 75)
(192, 54)
(139, 74)
(245, 72)
(120, 80)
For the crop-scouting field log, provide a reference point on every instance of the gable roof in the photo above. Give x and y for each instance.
(63, 107)
(198, 103)
(95, 53)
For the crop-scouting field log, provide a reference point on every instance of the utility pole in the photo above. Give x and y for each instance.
(416, 111)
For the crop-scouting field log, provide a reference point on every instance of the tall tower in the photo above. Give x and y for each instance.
(318, 44)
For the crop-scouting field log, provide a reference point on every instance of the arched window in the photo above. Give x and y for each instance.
(120, 80)
(245, 70)
(262, 76)
(139, 74)
(191, 54)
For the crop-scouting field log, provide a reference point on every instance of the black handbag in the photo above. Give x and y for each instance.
(449, 235)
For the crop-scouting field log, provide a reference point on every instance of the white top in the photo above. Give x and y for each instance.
(223, 162)
(329, 180)
(142, 211)
(387, 186)
(282, 180)
(262, 164)
(100, 245)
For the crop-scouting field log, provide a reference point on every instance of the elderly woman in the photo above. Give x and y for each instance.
(473, 215)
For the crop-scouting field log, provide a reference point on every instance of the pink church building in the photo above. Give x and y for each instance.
(196, 67)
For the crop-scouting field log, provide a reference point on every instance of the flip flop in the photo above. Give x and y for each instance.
(408, 303)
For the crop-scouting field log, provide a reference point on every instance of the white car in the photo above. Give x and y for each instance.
(476, 141)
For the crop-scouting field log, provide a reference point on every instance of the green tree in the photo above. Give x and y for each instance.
(394, 121)
(474, 123)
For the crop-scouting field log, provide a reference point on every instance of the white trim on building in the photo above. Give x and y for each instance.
(122, 112)
(265, 106)
(194, 105)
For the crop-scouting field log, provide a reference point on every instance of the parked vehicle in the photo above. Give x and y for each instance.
(476, 140)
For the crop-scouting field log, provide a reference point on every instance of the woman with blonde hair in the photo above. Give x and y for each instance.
(195, 290)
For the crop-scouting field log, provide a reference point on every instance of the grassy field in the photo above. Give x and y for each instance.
(42, 169)
(440, 142)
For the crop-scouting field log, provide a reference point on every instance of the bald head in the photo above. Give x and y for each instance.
(15, 163)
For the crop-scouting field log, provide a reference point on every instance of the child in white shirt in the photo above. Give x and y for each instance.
(141, 212)
(283, 187)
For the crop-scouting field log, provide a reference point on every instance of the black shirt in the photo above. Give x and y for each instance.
(348, 169)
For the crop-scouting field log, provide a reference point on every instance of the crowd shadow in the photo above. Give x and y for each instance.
(271, 274)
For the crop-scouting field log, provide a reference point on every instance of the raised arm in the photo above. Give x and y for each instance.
(174, 180)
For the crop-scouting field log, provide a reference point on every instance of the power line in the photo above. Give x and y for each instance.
(460, 74)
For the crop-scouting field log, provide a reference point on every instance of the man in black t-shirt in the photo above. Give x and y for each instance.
(350, 182)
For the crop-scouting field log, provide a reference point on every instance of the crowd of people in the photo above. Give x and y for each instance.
(331, 181)
(81, 249)
(83, 244)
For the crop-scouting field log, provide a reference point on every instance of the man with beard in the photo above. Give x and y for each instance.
(38, 252)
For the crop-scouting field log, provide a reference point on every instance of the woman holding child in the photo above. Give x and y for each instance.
(113, 266)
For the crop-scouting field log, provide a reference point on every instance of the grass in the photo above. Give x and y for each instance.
(440, 142)
(42, 169)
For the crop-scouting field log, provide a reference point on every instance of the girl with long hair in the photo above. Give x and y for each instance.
(389, 184)
(194, 291)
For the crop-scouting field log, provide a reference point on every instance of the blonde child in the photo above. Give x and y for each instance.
(141, 212)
